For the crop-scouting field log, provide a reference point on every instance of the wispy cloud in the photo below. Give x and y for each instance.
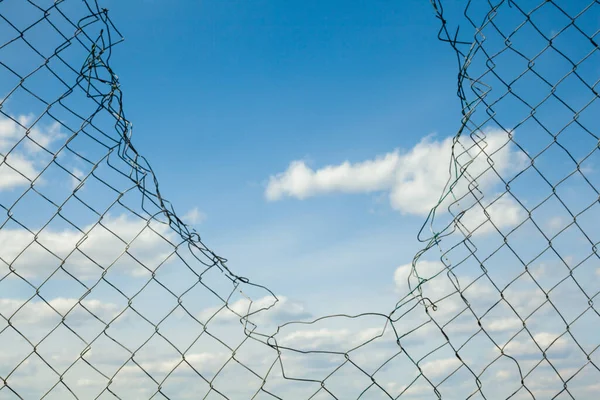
(21, 149)
(194, 216)
(36, 255)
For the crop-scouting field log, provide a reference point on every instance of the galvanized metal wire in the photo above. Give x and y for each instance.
(105, 292)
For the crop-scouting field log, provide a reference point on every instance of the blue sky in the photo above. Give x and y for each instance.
(306, 142)
(250, 87)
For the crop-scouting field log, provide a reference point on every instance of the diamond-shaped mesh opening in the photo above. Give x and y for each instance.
(565, 41)
(21, 58)
(132, 382)
(176, 275)
(157, 358)
(439, 365)
(479, 295)
(183, 382)
(575, 92)
(251, 354)
(33, 377)
(8, 32)
(551, 217)
(60, 360)
(501, 378)
(524, 349)
(502, 267)
(578, 139)
(551, 67)
(460, 383)
(76, 213)
(553, 114)
(586, 275)
(587, 74)
(545, 318)
(16, 172)
(130, 329)
(357, 382)
(42, 36)
(460, 328)
(154, 302)
(501, 322)
(104, 180)
(584, 383)
(585, 225)
(569, 299)
(587, 19)
(89, 317)
(526, 253)
(529, 88)
(556, 165)
(56, 183)
(409, 324)
(105, 356)
(180, 328)
(204, 305)
(83, 145)
(544, 381)
(42, 210)
(476, 352)
(502, 58)
(208, 355)
(572, 243)
(524, 295)
(531, 186)
(37, 317)
(577, 198)
(247, 383)
(550, 19)
(11, 284)
(397, 373)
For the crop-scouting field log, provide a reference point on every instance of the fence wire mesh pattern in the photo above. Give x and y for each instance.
(106, 293)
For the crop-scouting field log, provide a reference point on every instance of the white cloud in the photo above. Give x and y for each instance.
(24, 159)
(321, 339)
(16, 170)
(503, 374)
(556, 222)
(337, 338)
(502, 213)
(38, 313)
(503, 324)
(414, 180)
(301, 182)
(438, 368)
(12, 132)
(438, 287)
(194, 216)
(102, 244)
(266, 310)
(545, 340)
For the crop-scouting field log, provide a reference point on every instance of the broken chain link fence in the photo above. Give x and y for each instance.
(106, 293)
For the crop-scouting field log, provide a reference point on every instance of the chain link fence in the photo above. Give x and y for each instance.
(106, 293)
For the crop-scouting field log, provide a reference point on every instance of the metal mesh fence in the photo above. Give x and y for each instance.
(106, 293)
